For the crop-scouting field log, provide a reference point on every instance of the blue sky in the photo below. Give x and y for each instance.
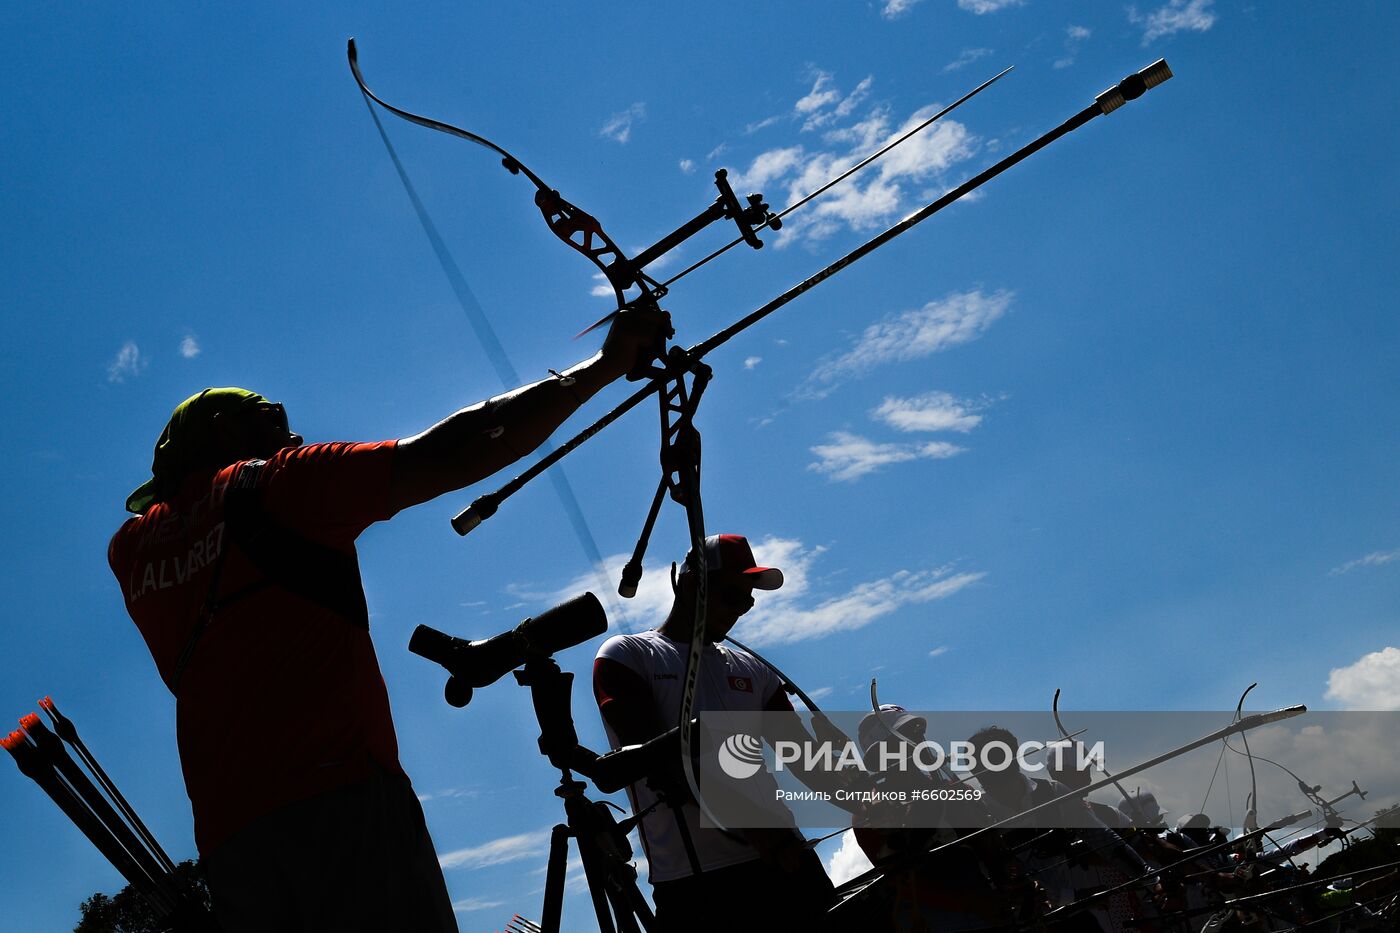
(1123, 424)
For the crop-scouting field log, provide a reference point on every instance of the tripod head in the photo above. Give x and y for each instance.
(551, 692)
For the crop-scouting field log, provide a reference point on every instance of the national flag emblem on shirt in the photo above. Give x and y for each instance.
(742, 684)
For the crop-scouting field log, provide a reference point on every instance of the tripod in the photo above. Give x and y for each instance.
(602, 841)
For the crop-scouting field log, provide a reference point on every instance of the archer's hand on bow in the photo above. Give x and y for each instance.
(635, 338)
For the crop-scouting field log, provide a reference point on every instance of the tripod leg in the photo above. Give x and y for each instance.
(554, 880)
(583, 827)
(626, 922)
(597, 887)
(633, 912)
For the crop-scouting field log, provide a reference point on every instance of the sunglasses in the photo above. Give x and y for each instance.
(275, 412)
(735, 596)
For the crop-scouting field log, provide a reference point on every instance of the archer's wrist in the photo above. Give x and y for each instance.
(602, 368)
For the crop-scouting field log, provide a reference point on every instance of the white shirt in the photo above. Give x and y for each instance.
(730, 680)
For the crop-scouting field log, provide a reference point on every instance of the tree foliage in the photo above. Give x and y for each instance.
(128, 911)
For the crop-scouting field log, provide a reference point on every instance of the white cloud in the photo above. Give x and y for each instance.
(1176, 16)
(687, 166)
(498, 851)
(864, 201)
(967, 57)
(881, 194)
(127, 364)
(469, 904)
(821, 95)
(1074, 38)
(619, 125)
(189, 347)
(820, 692)
(754, 127)
(933, 411)
(939, 651)
(987, 6)
(893, 9)
(789, 614)
(751, 361)
(603, 289)
(957, 319)
(855, 98)
(775, 163)
(848, 456)
(451, 792)
(1371, 683)
(645, 610)
(780, 620)
(1374, 559)
(848, 861)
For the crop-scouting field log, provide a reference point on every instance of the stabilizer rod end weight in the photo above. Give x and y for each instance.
(1134, 86)
(631, 576)
(476, 513)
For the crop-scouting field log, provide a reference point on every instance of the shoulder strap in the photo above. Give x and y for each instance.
(244, 480)
(309, 569)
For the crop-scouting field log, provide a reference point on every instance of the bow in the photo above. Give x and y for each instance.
(1251, 816)
(1065, 735)
(679, 376)
(860, 884)
(680, 448)
(1313, 792)
(582, 232)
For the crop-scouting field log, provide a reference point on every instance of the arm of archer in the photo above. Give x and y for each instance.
(471, 444)
(625, 702)
(478, 441)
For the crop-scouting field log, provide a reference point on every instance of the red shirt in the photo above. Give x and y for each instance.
(282, 698)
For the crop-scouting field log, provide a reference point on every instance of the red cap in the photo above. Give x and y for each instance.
(732, 553)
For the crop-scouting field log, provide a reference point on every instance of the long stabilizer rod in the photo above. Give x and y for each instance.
(1130, 88)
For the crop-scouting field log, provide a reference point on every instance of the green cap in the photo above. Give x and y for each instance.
(186, 442)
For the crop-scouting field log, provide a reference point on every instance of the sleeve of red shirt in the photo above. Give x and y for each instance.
(331, 491)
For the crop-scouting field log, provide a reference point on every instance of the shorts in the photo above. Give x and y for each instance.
(357, 859)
